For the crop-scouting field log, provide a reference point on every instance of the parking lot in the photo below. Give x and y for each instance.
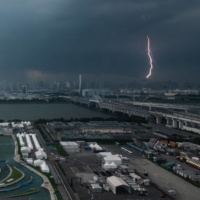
(85, 165)
(165, 179)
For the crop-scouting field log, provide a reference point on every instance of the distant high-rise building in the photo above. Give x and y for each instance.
(80, 84)
(24, 89)
(67, 85)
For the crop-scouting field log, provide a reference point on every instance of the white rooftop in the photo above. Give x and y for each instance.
(68, 143)
(116, 181)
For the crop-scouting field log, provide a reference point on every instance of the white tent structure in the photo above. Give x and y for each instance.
(44, 167)
(113, 165)
(104, 154)
(38, 162)
(28, 140)
(112, 158)
(40, 155)
(25, 149)
(95, 146)
(115, 183)
(4, 124)
(18, 125)
(106, 165)
(29, 160)
(109, 165)
(36, 143)
(26, 123)
(21, 142)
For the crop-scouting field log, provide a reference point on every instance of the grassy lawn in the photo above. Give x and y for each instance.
(15, 175)
(61, 150)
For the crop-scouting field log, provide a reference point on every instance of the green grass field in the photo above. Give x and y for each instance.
(15, 175)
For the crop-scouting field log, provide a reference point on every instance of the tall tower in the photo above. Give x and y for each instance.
(80, 81)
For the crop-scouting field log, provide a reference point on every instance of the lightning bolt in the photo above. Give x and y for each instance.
(150, 58)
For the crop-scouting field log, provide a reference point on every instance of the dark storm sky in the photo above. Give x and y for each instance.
(105, 39)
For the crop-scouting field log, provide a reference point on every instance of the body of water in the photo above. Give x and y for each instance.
(7, 153)
(47, 111)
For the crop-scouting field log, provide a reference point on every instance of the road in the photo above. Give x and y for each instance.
(63, 186)
(171, 131)
(163, 178)
(47, 134)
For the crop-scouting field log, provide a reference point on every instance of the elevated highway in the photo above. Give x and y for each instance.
(184, 107)
(175, 115)
(150, 105)
(112, 106)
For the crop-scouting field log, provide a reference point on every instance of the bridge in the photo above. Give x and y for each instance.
(164, 105)
(150, 105)
(111, 106)
(176, 119)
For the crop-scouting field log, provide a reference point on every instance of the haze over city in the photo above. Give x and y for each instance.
(104, 40)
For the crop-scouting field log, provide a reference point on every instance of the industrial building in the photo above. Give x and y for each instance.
(94, 130)
(116, 183)
(70, 147)
(99, 92)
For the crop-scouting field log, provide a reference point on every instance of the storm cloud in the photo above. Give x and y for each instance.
(41, 39)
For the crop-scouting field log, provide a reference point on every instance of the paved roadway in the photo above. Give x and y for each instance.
(171, 131)
(165, 179)
(59, 177)
(125, 106)
(165, 105)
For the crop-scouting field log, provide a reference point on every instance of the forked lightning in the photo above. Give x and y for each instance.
(150, 58)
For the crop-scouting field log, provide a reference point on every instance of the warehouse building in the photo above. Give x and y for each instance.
(116, 184)
(70, 147)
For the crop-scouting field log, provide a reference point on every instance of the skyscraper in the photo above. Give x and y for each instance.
(80, 85)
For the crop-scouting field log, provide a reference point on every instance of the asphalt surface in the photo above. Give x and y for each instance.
(171, 131)
(165, 179)
(57, 174)
(85, 165)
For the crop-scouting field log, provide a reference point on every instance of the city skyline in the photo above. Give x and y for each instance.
(75, 84)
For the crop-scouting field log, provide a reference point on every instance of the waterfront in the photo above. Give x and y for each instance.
(47, 111)
(7, 153)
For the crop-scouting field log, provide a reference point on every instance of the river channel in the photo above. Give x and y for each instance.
(47, 111)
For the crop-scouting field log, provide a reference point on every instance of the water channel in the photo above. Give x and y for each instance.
(47, 111)
(7, 153)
